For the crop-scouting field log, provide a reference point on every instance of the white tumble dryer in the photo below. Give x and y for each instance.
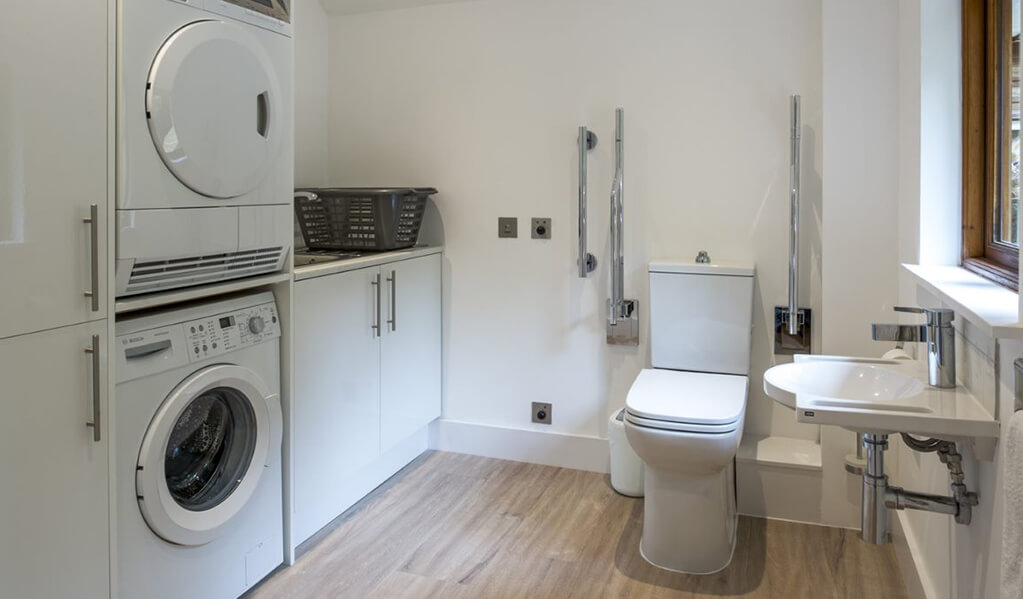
(205, 141)
(198, 441)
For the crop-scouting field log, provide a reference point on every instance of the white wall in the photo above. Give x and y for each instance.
(941, 127)
(482, 100)
(310, 28)
(860, 96)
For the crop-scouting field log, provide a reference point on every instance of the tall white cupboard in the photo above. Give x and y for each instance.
(55, 94)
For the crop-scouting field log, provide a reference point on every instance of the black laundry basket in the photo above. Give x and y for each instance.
(371, 219)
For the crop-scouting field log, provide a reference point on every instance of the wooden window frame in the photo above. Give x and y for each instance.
(986, 108)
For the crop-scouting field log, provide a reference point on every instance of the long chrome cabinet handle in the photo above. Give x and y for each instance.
(587, 261)
(376, 319)
(393, 280)
(97, 432)
(93, 222)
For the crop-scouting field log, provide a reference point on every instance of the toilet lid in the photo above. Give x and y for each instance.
(693, 397)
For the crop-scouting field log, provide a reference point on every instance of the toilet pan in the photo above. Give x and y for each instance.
(689, 516)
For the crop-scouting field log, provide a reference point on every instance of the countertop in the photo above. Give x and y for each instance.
(312, 271)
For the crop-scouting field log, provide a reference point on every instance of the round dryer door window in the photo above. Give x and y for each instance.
(212, 101)
(204, 453)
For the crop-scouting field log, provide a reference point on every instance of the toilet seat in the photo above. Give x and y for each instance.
(687, 401)
(682, 427)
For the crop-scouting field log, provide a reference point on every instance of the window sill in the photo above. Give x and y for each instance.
(986, 304)
(994, 272)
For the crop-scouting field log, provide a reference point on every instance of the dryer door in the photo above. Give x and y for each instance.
(212, 101)
(204, 453)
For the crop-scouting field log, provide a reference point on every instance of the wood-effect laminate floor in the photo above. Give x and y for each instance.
(454, 526)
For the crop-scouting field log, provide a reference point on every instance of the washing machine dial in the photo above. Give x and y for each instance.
(256, 325)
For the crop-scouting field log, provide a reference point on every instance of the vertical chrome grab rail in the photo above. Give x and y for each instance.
(623, 314)
(794, 158)
(587, 261)
(617, 224)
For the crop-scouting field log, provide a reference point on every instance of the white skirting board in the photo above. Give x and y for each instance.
(521, 445)
(906, 548)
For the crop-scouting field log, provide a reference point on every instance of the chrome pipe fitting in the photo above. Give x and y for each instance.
(879, 496)
(874, 512)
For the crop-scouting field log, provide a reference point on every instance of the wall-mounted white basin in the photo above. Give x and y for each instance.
(839, 379)
(876, 396)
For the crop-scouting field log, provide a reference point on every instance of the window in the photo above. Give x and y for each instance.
(991, 144)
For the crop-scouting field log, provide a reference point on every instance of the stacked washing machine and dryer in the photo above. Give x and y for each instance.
(204, 185)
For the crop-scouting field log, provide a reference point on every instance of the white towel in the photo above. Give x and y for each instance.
(1012, 529)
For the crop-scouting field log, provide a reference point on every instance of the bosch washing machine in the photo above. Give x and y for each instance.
(199, 430)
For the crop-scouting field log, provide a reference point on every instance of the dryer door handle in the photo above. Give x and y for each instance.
(263, 114)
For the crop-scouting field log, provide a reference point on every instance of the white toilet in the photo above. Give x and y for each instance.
(684, 416)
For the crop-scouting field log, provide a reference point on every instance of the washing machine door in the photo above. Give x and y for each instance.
(204, 453)
(213, 105)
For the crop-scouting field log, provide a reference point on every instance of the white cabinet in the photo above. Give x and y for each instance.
(54, 89)
(367, 376)
(410, 353)
(54, 535)
(337, 391)
(55, 108)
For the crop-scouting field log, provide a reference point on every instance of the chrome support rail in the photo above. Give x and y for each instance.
(792, 324)
(622, 320)
(587, 261)
(794, 156)
(618, 223)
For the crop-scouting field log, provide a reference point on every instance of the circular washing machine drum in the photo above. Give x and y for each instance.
(212, 101)
(204, 453)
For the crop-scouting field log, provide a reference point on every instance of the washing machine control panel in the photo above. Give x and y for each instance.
(215, 335)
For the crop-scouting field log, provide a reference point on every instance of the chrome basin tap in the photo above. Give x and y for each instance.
(937, 333)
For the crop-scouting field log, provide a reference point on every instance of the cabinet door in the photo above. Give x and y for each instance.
(410, 378)
(337, 391)
(53, 162)
(54, 526)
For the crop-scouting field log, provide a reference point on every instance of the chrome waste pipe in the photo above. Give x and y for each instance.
(879, 496)
(794, 157)
(874, 515)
